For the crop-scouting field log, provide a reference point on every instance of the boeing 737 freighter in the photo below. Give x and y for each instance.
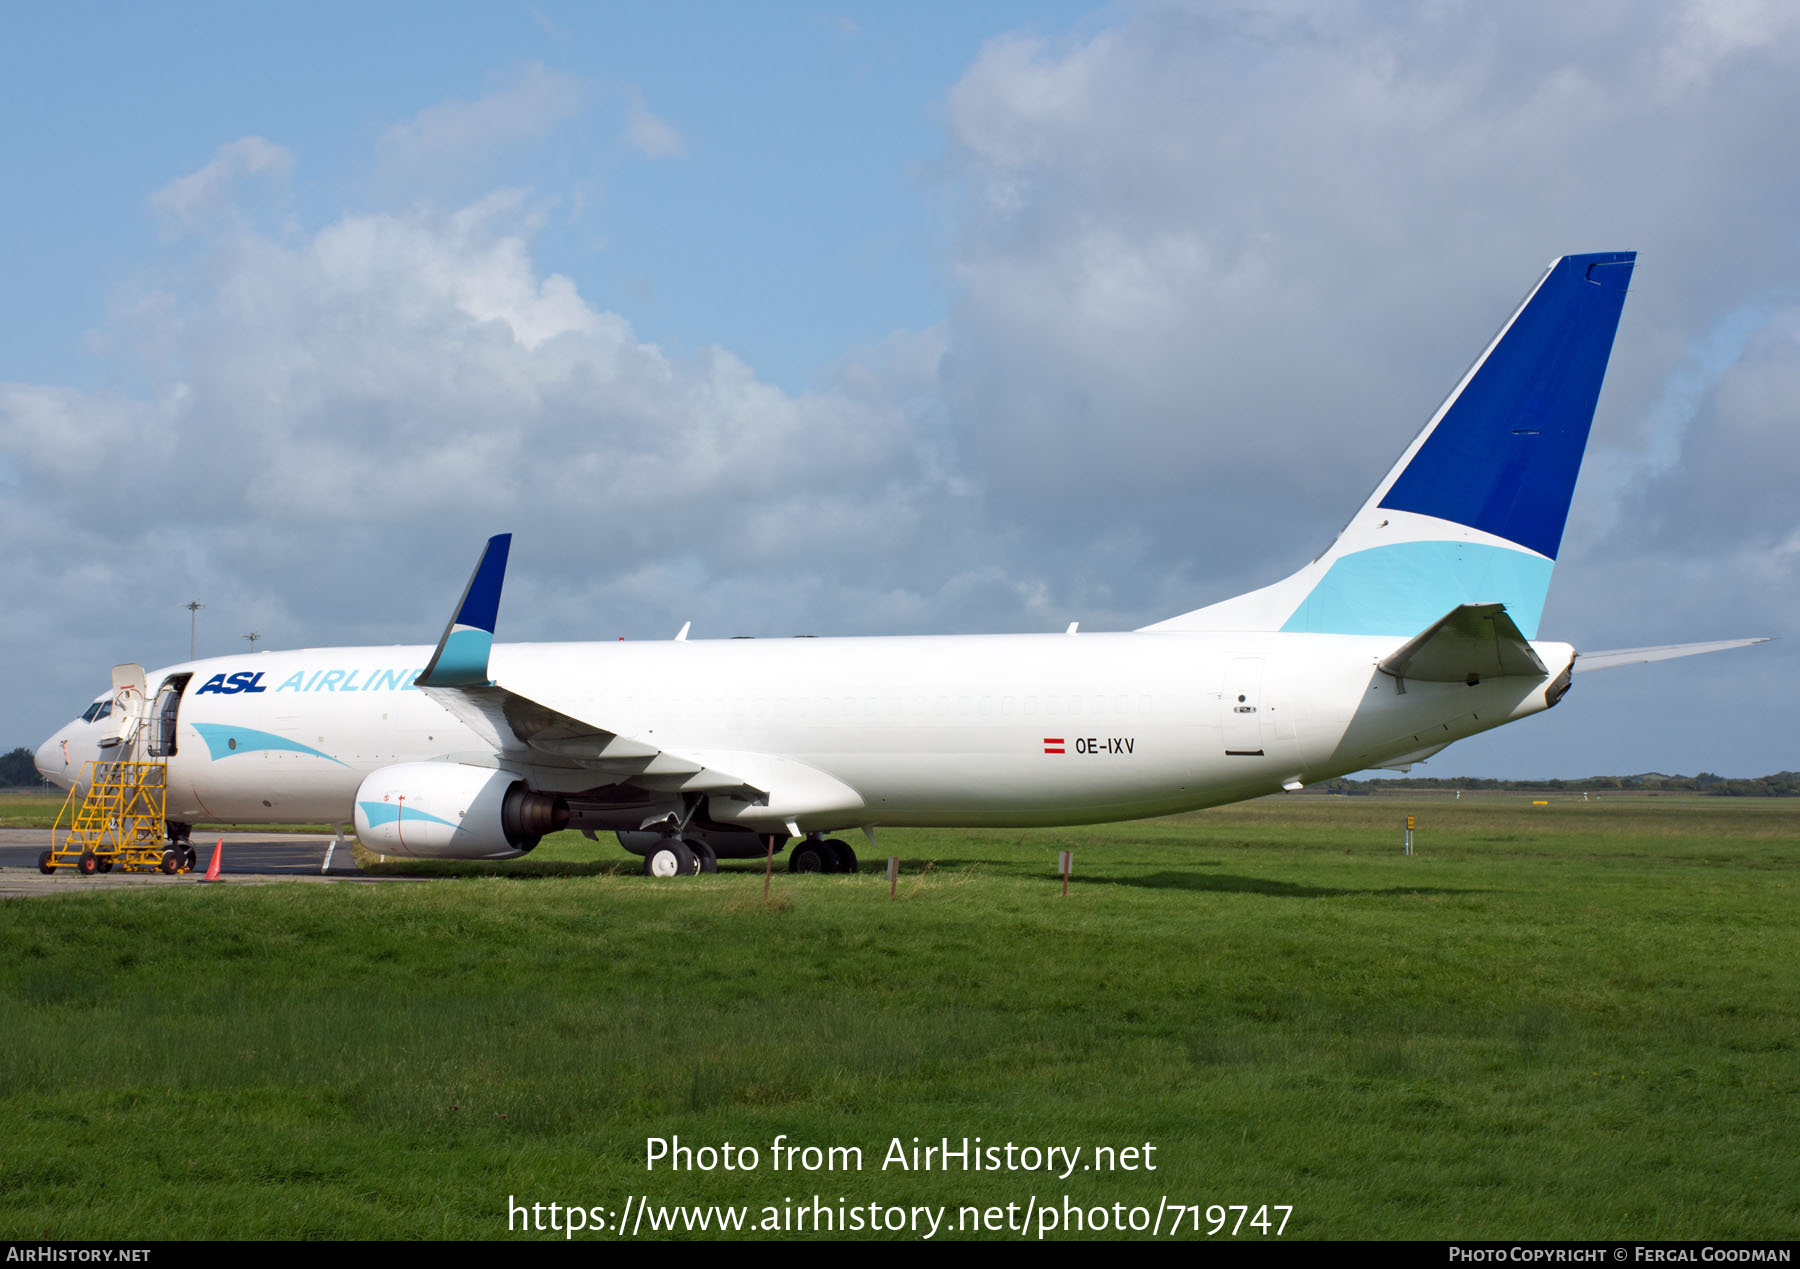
(1417, 627)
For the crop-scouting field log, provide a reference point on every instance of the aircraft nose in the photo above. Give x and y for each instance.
(49, 759)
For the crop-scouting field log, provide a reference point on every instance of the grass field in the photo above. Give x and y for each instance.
(29, 810)
(39, 810)
(1573, 1020)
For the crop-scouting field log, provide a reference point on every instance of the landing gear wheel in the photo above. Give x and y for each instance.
(811, 856)
(190, 856)
(106, 865)
(44, 864)
(709, 862)
(88, 864)
(670, 858)
(170, 863)
(843, 856)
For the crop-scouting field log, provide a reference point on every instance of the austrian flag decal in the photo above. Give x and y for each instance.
(1053, 744)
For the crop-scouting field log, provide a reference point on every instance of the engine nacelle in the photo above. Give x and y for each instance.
(447, 810)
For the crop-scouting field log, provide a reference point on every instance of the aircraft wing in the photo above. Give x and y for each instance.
(1585, 661)
(525, 730)
(1469, 643)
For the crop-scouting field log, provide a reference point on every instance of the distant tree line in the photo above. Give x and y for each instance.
(17, 770)
(1783, 784)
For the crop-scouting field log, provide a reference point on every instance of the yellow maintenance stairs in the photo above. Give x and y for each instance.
(115, 817)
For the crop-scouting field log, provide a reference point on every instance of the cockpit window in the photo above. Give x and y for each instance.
(93, 711)
(105, 709)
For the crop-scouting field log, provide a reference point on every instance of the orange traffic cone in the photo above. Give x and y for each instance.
(212, 869)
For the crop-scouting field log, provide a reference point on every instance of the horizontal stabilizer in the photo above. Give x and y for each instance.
(1468, 644)
(1585, 661)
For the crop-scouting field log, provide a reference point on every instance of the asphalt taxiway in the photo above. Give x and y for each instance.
(252, 858)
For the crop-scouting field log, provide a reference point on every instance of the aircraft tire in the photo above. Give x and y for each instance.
(170, 863)
(190, 855)
(88, 864)
(671, 858)
(810, 856)
(845, 858)
(44, 864)
(709, 862)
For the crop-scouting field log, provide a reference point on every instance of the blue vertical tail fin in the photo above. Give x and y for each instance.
(1474, 510)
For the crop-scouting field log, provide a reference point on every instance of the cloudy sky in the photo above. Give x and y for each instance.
(876, 319)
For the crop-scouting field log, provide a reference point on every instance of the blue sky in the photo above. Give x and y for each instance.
(803, 214)
(876, 320)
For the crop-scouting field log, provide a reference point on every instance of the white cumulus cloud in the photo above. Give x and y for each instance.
(521, 105)
(186, 201)
(647, 134)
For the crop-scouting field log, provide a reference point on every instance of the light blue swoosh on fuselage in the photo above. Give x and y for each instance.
(219, 738)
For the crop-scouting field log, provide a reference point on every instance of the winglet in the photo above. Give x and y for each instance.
(461, 659)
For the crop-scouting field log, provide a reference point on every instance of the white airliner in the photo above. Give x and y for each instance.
(1418, 627)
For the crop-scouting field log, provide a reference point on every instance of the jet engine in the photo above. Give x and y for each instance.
(448, 810)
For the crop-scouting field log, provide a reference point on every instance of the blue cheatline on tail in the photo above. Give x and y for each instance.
(1403, 587)
(461, 659)
(1473, 512)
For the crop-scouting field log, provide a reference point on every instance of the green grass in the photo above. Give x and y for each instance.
(39, 810)
(1574, 1020)
(30, 810)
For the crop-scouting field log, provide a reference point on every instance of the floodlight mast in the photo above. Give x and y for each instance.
(193, 606)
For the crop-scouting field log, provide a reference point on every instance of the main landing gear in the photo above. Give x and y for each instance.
(675, 856)
(819, 854)
(679, 857)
